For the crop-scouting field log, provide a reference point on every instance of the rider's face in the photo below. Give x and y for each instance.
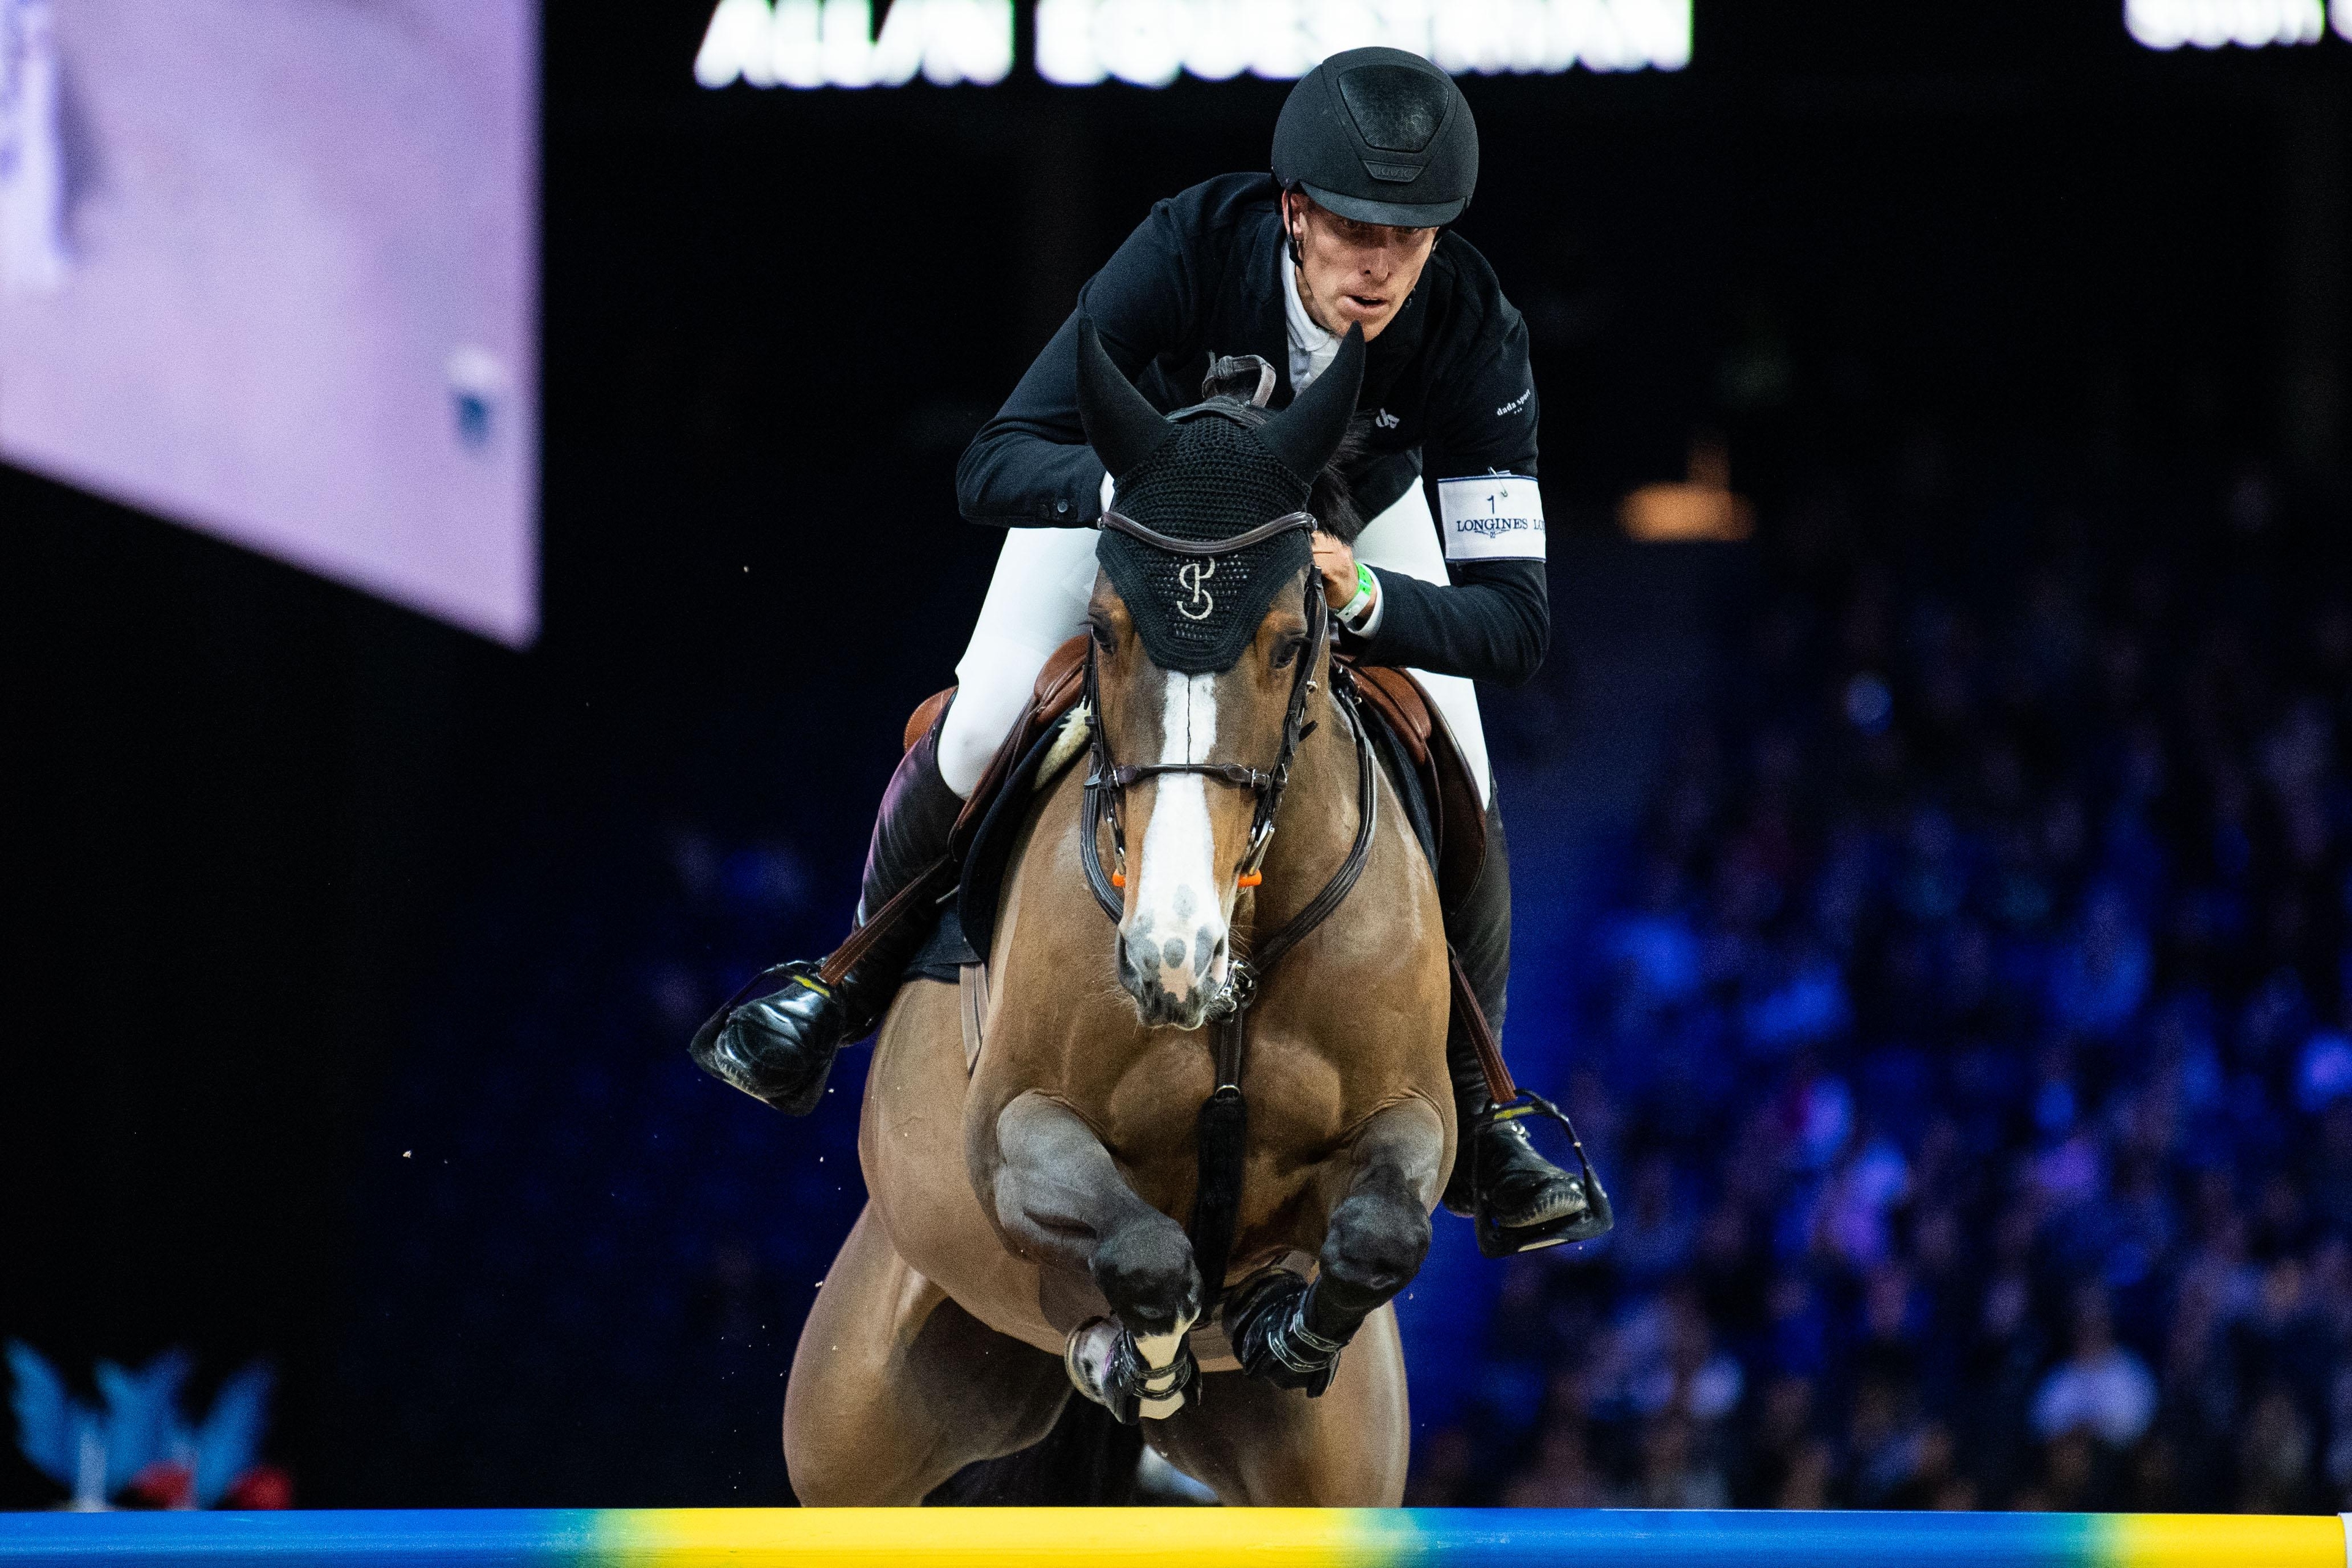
(1351, 271)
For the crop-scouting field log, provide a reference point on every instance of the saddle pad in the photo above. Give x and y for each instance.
(1403, 779)
(949, 949)
(986, 862)
(945, 953)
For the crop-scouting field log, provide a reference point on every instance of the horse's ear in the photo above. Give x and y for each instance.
(1305, 435)
(1121, 425)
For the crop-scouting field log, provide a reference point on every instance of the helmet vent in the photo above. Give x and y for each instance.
(1396, 108)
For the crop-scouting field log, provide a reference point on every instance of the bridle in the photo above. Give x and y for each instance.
(1216, 1207)
(1108, 782)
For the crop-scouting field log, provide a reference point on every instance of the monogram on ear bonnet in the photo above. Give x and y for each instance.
(1202, 474)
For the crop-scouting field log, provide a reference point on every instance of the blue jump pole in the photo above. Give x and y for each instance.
(1168, 1537)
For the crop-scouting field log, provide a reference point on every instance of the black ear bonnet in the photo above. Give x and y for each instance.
(1215, 470)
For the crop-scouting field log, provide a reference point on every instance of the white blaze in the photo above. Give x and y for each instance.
(1179, 913)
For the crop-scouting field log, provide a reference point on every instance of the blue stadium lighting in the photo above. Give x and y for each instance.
(1150, 43)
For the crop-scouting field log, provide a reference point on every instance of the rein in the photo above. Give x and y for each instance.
(1223, 1117)
(1108, 782)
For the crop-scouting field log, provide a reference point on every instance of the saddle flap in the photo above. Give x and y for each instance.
(1401, 701)
(1059, 687)
(1453, 795)
(991, 819)
(1462, 818)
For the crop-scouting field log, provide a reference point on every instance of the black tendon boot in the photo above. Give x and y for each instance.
(1498, 1174)
(779, 1045)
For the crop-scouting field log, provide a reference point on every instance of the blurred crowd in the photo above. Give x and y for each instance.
(1965, 1042)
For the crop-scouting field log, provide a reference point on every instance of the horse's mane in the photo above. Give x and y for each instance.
(1331, 500)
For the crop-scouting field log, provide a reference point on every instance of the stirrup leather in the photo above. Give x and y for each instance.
(1595, 1218)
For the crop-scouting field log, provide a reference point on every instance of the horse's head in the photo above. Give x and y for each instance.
(1202, 661)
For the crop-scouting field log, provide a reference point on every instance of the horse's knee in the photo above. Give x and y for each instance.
(1145, 1271)
(1371, 1251)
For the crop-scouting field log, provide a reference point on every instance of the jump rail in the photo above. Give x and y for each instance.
(1169, 1538)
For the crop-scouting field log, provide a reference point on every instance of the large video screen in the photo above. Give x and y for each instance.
(269, 267)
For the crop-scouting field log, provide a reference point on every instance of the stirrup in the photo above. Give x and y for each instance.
(1595, 1218)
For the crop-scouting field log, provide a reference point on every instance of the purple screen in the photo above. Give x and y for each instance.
(268, 267)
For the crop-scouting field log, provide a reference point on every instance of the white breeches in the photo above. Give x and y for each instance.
(1038, 601)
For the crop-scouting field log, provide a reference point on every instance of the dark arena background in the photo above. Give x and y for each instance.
(1932, 907)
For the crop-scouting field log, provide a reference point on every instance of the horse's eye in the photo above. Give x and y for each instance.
(1287, 650)
(1105, 639)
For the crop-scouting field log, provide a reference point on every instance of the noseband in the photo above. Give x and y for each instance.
(1108, 782)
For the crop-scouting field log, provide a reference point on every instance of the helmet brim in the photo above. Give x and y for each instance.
(1395, 215)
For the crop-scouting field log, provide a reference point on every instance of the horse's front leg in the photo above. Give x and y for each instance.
(1290, 1332)
(1060, 1200)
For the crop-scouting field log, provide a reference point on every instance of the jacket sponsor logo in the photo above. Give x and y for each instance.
(1495, 527)
(1492, 517)
(1516, 404)
(1386, 420)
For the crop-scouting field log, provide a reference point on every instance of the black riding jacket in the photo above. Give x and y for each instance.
(1447, 387)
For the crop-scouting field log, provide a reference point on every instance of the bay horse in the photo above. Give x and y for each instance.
(1025, 1230)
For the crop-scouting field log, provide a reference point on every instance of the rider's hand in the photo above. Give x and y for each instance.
(1337, 562)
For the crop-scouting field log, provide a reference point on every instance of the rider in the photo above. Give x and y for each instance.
(1374, 154)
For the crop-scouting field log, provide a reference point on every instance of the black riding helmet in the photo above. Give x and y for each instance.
(1380, 136)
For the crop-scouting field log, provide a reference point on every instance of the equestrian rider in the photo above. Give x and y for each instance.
(1374, 154)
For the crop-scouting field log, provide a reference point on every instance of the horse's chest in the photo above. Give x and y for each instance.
(1147, 1116)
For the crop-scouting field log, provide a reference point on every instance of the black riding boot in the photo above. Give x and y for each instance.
(779, 1045)
(1517, 1187)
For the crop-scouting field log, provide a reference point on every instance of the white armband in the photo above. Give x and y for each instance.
(1492, 517)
